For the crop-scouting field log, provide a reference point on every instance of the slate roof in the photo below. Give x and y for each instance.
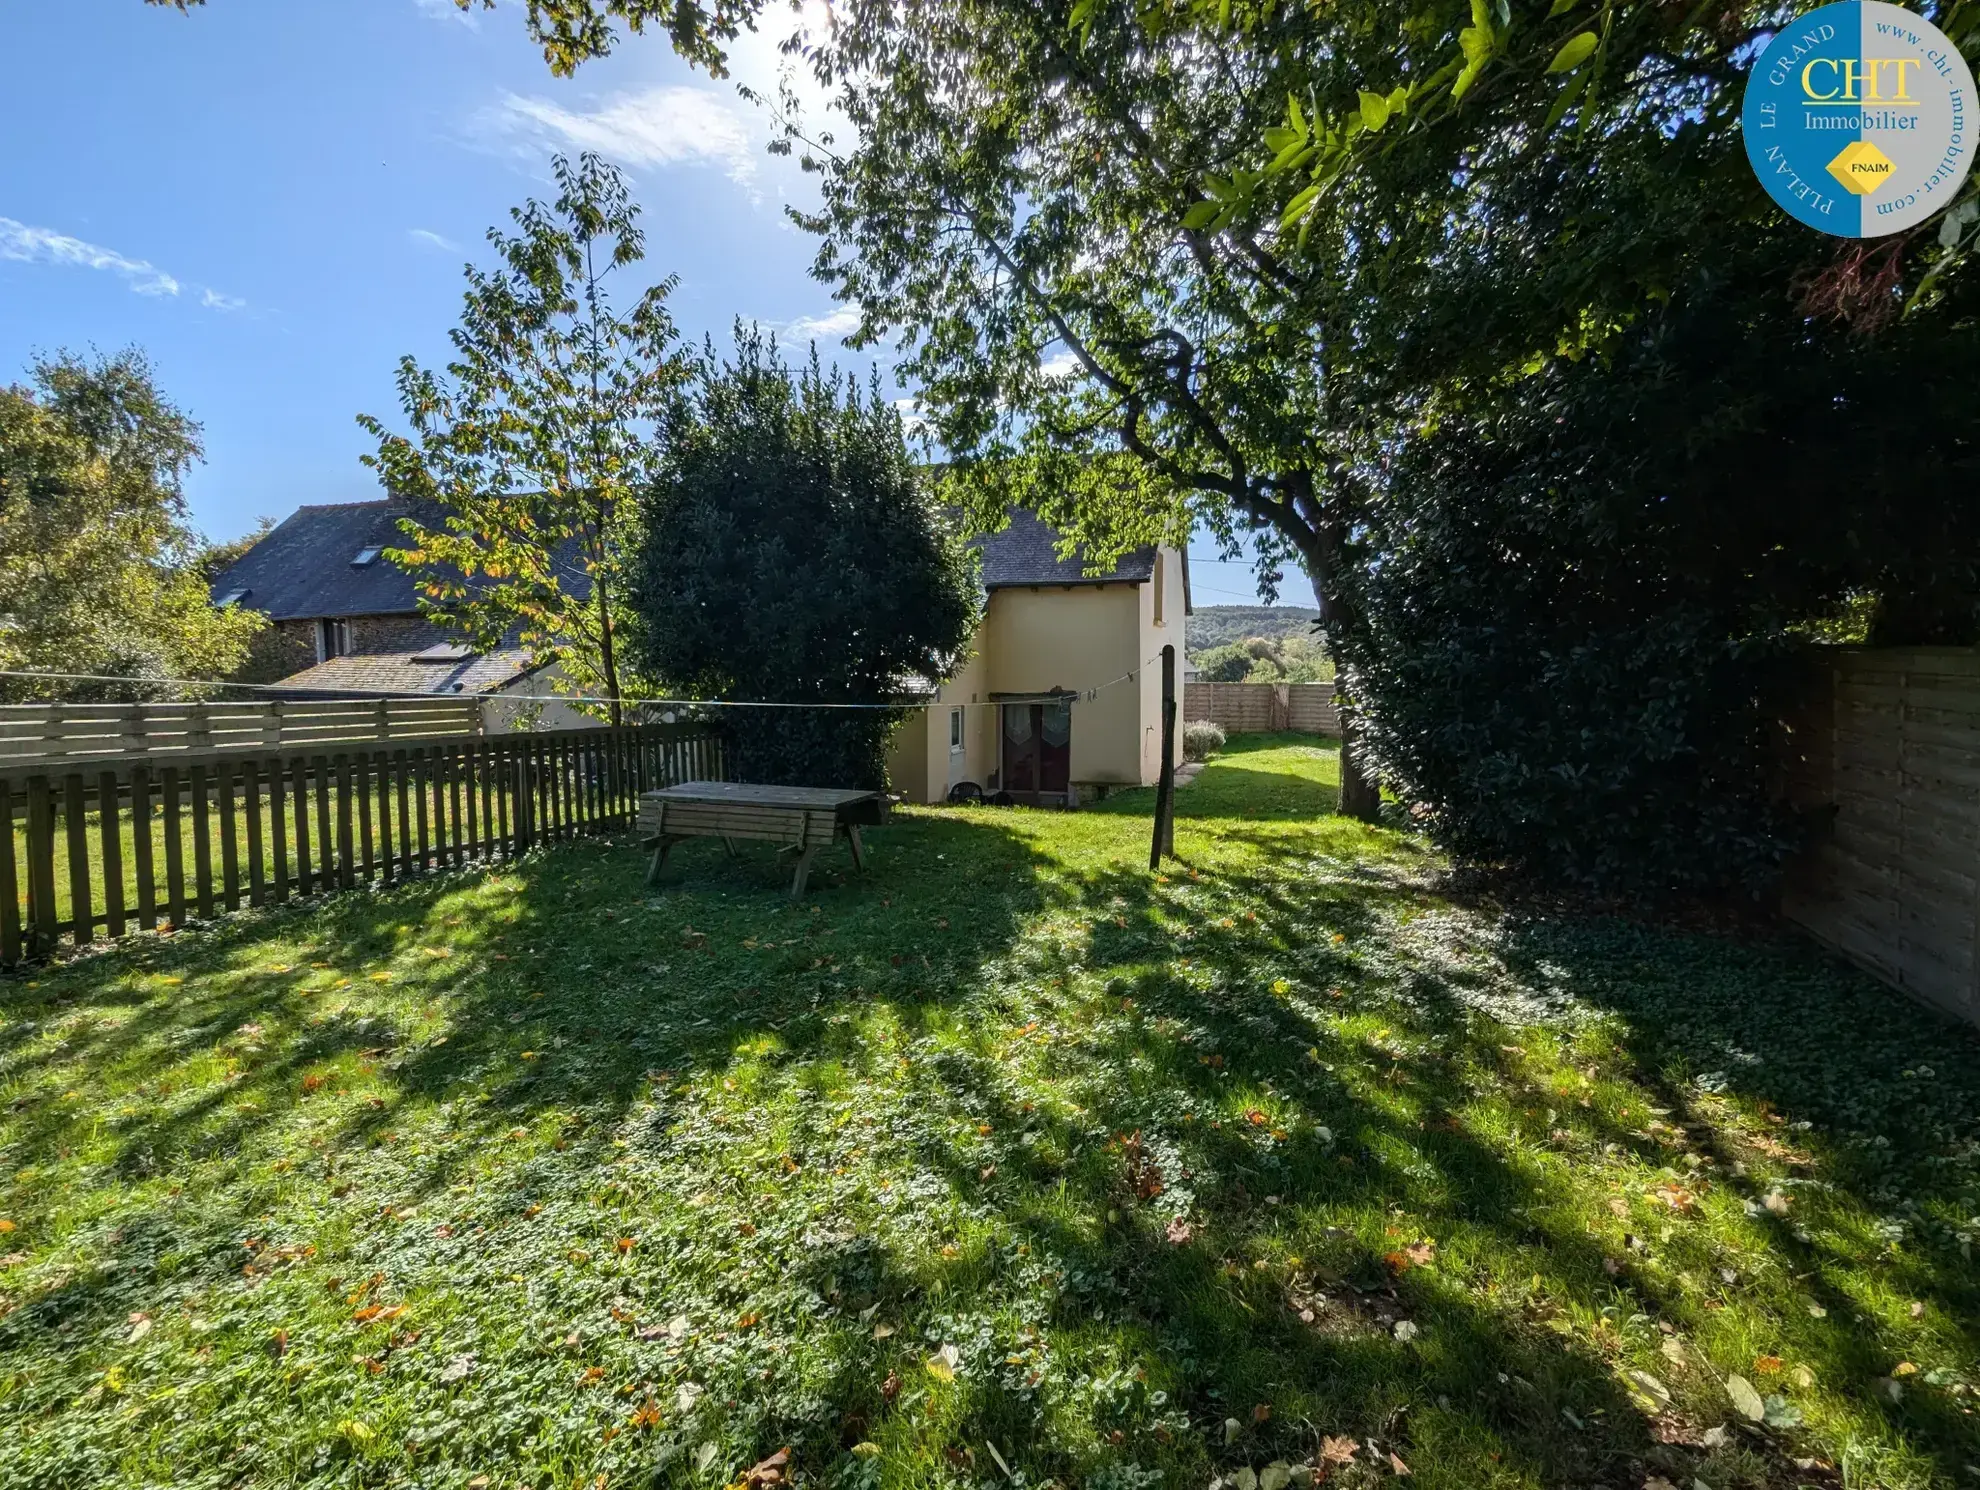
(1027, 553)
(401, 674)
(303, 570)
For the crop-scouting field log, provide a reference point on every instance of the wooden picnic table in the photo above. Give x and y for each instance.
(803, 819)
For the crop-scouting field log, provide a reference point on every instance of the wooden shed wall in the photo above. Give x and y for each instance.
(1885, 751)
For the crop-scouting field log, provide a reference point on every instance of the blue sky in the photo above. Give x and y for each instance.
(274, 200)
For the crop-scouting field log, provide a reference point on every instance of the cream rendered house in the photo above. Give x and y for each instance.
(1061, 697)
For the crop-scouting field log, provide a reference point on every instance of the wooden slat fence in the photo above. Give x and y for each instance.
(107, 847)
(57, 737)
(1251, 708)
(1883, 752)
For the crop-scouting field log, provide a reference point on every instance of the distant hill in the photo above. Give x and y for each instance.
(1214, 625)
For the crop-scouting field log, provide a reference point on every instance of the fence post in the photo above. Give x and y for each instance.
(41, 865)
(1165, 790)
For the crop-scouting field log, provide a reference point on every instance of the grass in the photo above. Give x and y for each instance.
(1006, 1162)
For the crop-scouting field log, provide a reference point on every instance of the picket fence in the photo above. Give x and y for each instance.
(116, 846)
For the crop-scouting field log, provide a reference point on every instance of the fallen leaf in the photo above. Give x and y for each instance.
(1904, 1368)
(647, 1415)
(891, 1387)
(1766, 1365)
(1338, 1450)
(1262, 1413)
(942, 1365)
(1397, 1466)
(768, 1472)
(1405, 1330)
(140, 1327)
(624, 1244)
(1745, 1398)
(1776, 1202)
(1177, 1233)
(882, 1331)
(459, 1368)
(1650, 1393)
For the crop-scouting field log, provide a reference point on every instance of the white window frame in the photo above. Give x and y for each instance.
(1161, 587)
(955, 731)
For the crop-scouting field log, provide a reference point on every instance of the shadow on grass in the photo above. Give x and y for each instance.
(1154, 1156)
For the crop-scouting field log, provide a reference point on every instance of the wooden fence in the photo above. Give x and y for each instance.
(56, 737)
(1884, 753)
(1249, 708)
(123, 845)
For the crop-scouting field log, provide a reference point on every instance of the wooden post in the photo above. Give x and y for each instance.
(109, 824)
(1165, 790)
(41, 864)
(11, 945)
(82, 916)
(141, 847)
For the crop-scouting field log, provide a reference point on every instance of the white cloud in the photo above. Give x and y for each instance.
(664, 126)
(214, 300)
(1060, 366)
(834, 326)
(447, 10)
(45, 246)
(914, 420)
(432, 239)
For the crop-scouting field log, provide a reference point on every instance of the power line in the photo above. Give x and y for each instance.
(330, 695)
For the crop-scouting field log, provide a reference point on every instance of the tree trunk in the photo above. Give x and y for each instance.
(606, 649)
(1361, 792)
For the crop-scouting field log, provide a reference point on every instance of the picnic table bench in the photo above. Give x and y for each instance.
(803, 819)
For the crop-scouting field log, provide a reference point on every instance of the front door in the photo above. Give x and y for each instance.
(1038, 751)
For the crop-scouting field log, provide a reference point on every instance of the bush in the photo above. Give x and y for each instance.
(790, 556)
(1202, 739)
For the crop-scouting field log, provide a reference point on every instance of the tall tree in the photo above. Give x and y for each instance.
(793, 556)
(100, 570)
(524, 459)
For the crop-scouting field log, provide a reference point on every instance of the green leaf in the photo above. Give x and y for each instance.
(1574, 51)
(1570, 91)
(1399, 100)
(1277, 139)
(1200, 215)
(1561, 7)
(1293, 114)
(1298, 205)
(1461, 84)
(1476, 42)
(1374, 109)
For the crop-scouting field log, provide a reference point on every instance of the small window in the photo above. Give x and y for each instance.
(955, 729)
(232, 597)
(366, 555)
(333, 639)
(1161, 586)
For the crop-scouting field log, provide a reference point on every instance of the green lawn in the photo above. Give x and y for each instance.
(1006, 1162)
